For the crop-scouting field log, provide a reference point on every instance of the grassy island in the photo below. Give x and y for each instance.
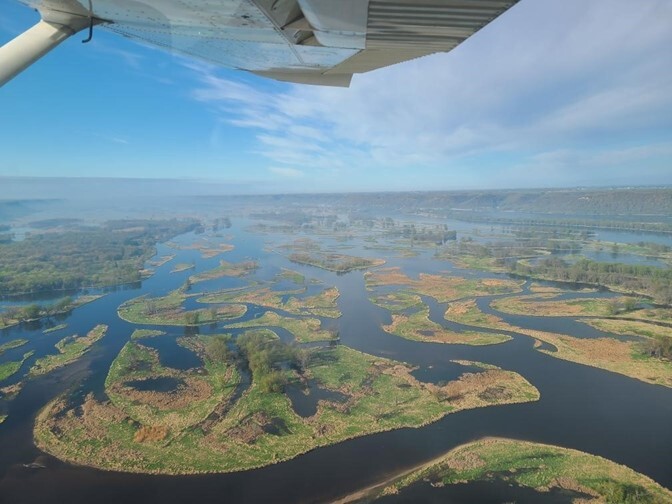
(396, 301)
(418, 327)
(225, 269)
(167, 310)
(443, 288)
(182, 267)
(190, 402)
(339, 263)
(17, 314)
(10, 368)
(55, 328)
(146, 333)
(629, 358)
(525, 464)
(206, 248)
(202, 426)
(160, 261)
(320, 305)
(543, 305)
(70, 349)
(10, 345)
(291, 275)
(304, 330)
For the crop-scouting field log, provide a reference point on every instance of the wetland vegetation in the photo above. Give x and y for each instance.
(10, 368)
(580, 476)
(379, 320)
(204, 428)
(632, 358)
(69, 349)
(168, 310)
(110, 254)
(34, 311)
(417, 326)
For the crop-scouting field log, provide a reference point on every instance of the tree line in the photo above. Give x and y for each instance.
(650, 280)
(111, 254)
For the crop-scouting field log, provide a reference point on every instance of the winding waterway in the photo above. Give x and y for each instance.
(588, 409)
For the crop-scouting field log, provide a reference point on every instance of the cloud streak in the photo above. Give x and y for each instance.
(549, 86)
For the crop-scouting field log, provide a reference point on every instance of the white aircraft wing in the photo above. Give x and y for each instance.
(308, 41)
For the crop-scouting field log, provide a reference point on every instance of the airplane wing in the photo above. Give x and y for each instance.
(308, 41)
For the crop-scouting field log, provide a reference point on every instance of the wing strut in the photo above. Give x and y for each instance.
(18, 54)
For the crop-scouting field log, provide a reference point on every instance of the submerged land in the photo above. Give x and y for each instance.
(242, 355)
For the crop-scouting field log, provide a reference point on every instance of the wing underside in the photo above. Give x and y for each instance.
(310, 41)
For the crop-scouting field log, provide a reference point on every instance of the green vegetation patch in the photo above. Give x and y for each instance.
(70, 349)
(646, 249)
(16, 314)
(225, 269)
(471, 261)
(419, 327)
(467, 312)
(663, 315)
(206, 248)
(628, 278)
(396, 301)
(641, 360)
(293, 276)
(109, 255)
(160, 261)
(261, 427)
(320, 305)
(167, 310)
(543, 305)
(656, 340)
(55, 328)
(8, 369)
(146, 333)
(304, 329)
(323, 304)
(12, 344)
(339, 263)
(182, 267)
(194, 397)
(629, 327)
(443, 288)
(533, 465)
(259, 295)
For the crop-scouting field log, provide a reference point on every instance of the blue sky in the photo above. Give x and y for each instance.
(551, 94)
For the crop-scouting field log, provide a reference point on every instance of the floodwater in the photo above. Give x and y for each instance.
(305, 399)
(159, 384)
(595, 411)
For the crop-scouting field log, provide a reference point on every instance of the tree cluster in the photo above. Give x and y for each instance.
(267, 358)
(655, 282)
(112, 254)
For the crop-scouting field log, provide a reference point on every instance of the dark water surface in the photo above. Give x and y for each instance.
(160, 384)
(598, 412)
(480, 492)
(305, 399)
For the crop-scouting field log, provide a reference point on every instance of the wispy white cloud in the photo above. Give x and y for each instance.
(285, 171)
(117, 139)
(564, 80)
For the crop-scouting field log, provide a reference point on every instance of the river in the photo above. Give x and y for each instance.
(585, 408)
